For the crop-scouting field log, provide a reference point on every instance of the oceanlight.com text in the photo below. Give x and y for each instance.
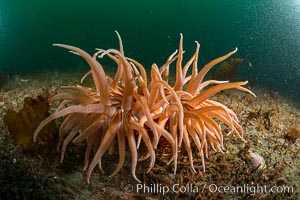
(158, 188)
(249, 189)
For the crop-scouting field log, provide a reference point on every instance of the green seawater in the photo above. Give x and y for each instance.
(267, 32)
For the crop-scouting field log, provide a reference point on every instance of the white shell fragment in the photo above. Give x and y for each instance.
(256, 160)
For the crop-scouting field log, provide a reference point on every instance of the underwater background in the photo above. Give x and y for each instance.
(267, 32)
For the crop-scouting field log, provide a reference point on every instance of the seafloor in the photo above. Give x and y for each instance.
(268, 121)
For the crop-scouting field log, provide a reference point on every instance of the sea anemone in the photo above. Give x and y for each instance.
(127, 106)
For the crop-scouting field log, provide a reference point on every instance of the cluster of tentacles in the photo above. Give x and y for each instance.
(128, 107)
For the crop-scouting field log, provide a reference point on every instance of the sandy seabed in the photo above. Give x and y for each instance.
(266, 119)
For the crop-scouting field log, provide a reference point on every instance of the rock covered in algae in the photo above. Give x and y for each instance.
(228, 69)
(21, 126)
